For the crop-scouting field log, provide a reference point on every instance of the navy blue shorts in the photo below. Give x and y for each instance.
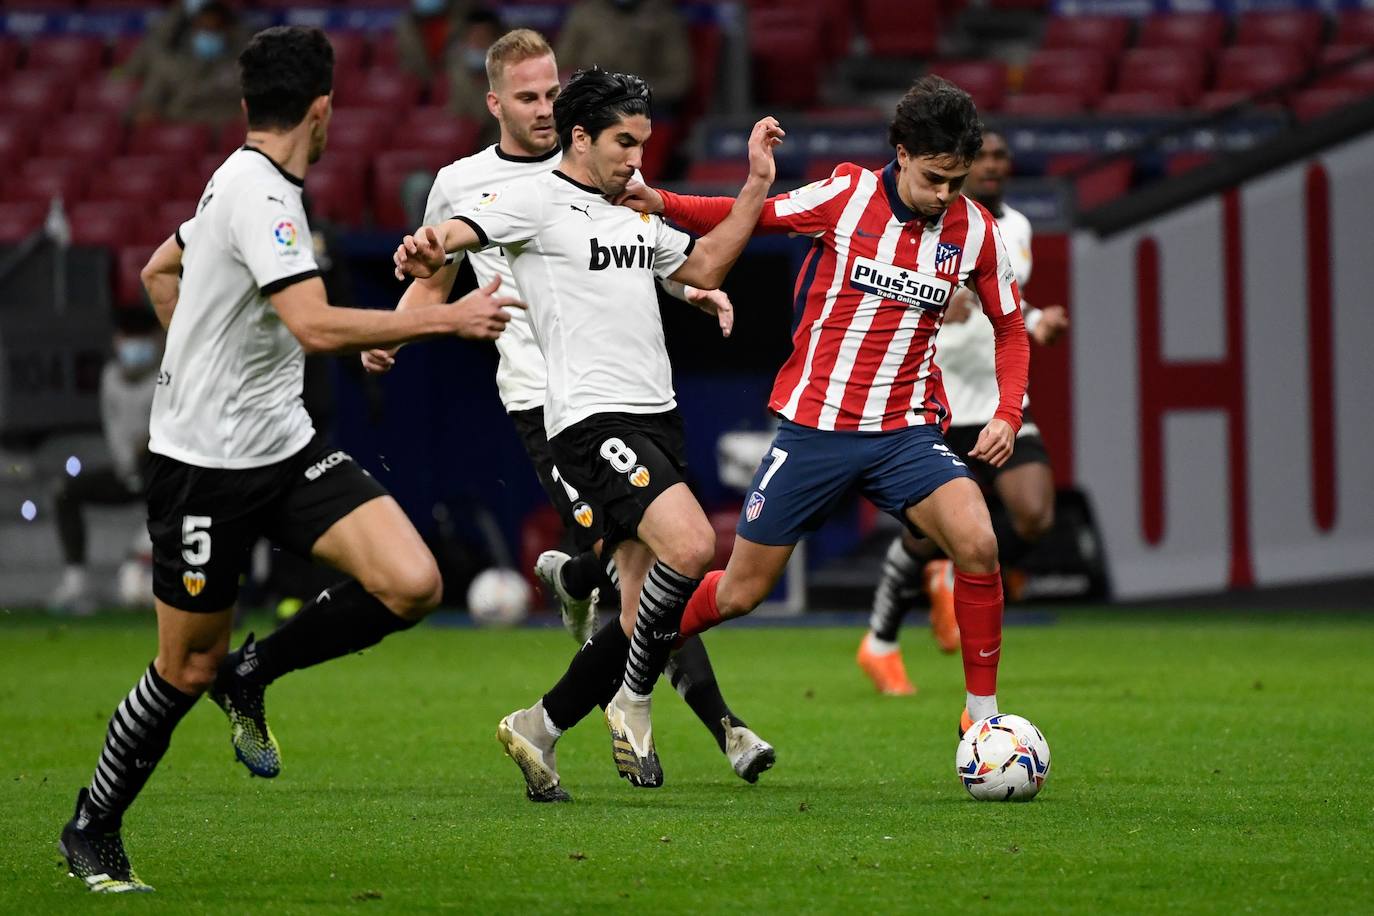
(807, 472)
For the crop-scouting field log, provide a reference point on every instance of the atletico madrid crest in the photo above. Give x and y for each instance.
(755, 507)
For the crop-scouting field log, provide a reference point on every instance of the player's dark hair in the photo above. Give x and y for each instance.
(937, 118)
(595, 99)
(282, 71)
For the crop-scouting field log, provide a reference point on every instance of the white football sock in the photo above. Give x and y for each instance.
(981, 707)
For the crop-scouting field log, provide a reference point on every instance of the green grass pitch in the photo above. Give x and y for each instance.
(1200, 764)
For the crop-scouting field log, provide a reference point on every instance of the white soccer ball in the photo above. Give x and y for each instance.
(499, 598)
(1003, 758)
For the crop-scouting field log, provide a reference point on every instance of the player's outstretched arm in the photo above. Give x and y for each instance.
(323, 328)
(716, 252)
(161, 278)
(423, 253)
(711, 301)
(429, 291)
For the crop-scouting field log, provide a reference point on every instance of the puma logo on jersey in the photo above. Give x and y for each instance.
(604, 256)
(276, 200)
(585, 211)
(333, 459)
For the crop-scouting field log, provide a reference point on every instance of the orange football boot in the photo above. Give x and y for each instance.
(886, 670)
(965, 722)
(939, 581)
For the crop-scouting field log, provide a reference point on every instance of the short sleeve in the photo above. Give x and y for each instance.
(272, 237)
(439, 208)
(184, 232)
(507, 216)
(672, 247)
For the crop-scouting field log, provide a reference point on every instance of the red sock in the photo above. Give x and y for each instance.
(978, 608)
(701, 613)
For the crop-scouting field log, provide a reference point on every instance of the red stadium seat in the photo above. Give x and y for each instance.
(436, 129)
(20, 219)
(1313, 103)
(1105, 34)
(359, 129)
(1044, 104)
(1357, 75)
(1097, 186)
(392, 174)
(170, 215)
(822, 168)
(1252, 70)
(134, 185)
(128, 265)
(1140, 103)
(9, 54)
(900, 28)
(1300, 30)
(88, 136)
(230, 137)
(1174, 71)
(1217, 99)
(707, 41)
(351, 51)
(187, 141)
(1204, 31)
(984, 80)
(1185, 162)
(1355, 27)
(46, 178)
(384, 53)
(337, 190)
(1078, 72)
(123, 48)
(17, 137)
(716, 171)
(389, 90)
(74, 55)
(106, 222)
(785, 48)
(40, 92)
(110, 94)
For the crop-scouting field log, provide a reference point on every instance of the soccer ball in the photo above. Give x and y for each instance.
(1003, 758)
(499, 598)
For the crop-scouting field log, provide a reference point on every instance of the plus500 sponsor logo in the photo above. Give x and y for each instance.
(911, 287)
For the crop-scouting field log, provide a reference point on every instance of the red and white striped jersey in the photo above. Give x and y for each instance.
(871, 296)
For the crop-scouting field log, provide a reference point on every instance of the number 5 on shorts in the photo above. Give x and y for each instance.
(779, 456)
(196, 539)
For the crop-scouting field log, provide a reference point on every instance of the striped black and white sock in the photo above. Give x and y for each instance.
(661, 603)
(896, 592)
(137, 737)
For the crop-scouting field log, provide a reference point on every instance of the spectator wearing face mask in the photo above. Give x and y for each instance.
(167, 35)
(126, 401)
(199, 80)
(424, 33)
(467, 73)
(643, 37)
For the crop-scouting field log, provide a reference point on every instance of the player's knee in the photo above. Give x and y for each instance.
(1031, 526)
(976, 551)
(411, 592)
(694, 552)
(191, 671)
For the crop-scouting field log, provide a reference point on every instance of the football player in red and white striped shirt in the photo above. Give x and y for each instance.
(861, 399)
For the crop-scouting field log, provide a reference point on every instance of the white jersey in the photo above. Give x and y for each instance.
(229, 390)
(586, 269)
(520, 374)
(966, 350)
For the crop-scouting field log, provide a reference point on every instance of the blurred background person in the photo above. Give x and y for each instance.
(169, 34)
(198, 81)
(424, 33)
(467, 73)
(644, 37)
(127, 383)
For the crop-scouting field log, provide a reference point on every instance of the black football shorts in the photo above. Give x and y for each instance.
(581, 514)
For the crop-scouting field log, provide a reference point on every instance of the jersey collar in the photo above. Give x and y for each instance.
(298, 182)
(900, 210)
(577, 184)
(543, 157)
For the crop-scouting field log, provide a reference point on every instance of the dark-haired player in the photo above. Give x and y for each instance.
(523, 81)
(588, 267)
(860, 398)
(1024, 484)
(235, 457)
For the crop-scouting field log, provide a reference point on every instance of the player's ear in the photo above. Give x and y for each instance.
(582, 141)
(319, 109)
(903, 157)
(494, 105)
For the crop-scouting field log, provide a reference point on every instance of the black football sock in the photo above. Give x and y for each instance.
(135, 740)
(592, 678)
(343, 618)
(897, 591)
(690, 672)
(662, 600)
(610, 585)
(581, 574)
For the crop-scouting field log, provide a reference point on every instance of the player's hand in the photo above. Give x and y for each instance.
(641, 198)
(379, 360)
(481, 315)
(714, 302)
(1054, 321)
(419, 255)
(960, 307)
(766, 135)
(994, 443)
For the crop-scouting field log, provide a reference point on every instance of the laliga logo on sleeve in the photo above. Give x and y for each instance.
(285, 238)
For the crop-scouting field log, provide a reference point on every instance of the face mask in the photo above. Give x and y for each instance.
(474, 59)
(207, 45)
(193, 6)
(136, 353)
(429, 7)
